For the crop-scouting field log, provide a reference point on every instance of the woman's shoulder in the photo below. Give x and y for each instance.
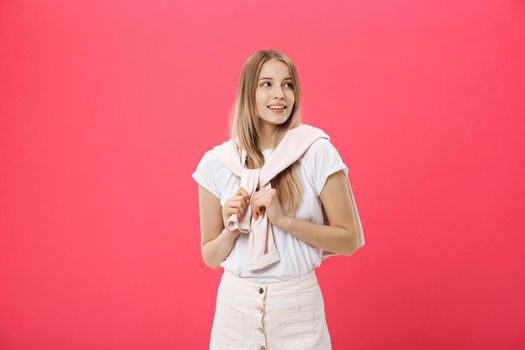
(319, 149)
(210, 160)
(211, 173)
(321, 160)
(322, 144)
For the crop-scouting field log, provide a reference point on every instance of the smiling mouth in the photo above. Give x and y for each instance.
(277, 107)
(278, 110)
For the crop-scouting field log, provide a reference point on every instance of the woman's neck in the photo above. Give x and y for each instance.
(268, 137)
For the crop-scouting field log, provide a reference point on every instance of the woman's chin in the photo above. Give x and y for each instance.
(276, 120)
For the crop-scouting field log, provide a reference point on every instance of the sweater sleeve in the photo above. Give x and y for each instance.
(205, 174)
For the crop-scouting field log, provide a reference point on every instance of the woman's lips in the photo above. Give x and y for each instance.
(277, 110)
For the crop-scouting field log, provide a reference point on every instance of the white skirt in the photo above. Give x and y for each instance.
(286, 315)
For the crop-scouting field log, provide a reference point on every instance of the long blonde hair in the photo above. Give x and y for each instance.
(244, 126)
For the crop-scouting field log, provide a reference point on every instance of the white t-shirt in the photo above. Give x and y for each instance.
(297, 257)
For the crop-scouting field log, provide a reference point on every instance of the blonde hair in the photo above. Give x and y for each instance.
(244, 127)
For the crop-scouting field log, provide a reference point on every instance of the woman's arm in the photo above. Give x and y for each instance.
(216, 241)
(340, 236)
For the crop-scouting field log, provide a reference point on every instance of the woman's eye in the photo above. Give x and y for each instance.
(289, 84)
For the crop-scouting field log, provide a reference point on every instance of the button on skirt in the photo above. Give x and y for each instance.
(269, 316)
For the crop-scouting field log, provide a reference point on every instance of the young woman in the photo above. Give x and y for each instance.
(269, 297)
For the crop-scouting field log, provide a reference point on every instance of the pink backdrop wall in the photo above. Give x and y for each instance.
(107, 106)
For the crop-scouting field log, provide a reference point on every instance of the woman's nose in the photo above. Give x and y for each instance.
(278, 93)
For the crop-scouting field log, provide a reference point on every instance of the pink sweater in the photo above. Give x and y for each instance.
(262, 250)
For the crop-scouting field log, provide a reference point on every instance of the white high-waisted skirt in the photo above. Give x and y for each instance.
(287, 315)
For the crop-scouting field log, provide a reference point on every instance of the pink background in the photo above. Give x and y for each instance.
(106, 108)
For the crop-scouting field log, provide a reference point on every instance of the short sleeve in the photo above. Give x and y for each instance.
(205, 174)
(325, 161)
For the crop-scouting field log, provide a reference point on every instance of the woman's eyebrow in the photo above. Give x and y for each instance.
(288, 78)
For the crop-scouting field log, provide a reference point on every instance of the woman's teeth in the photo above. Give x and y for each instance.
(277, 109)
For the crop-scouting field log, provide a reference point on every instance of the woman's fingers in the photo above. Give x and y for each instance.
(238, 204)
(244, 194)
(240, 201)
(242, 206)
(243, 201)
(258, 214)
(228, 212)
(236, 207)
(257, 206)
(257, 210)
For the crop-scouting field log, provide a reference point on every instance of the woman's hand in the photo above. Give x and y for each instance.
(267, 200)
(235, 205)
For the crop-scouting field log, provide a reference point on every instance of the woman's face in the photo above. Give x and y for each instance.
(274, 87)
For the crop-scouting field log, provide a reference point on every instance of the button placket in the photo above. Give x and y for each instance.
(262, 294)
